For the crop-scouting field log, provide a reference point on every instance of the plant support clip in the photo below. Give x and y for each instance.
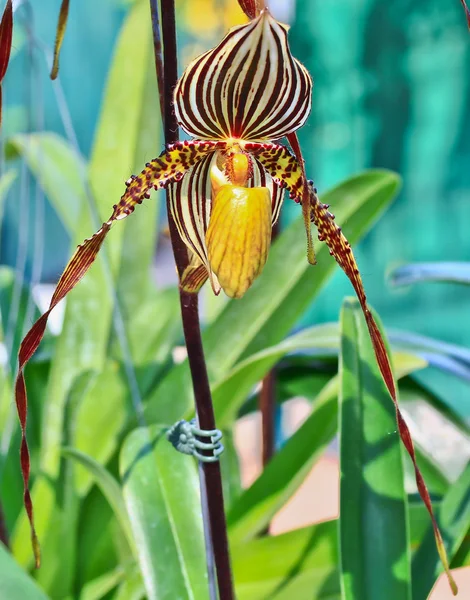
(184, 437)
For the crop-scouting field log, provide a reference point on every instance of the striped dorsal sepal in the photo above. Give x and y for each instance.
(248, 87)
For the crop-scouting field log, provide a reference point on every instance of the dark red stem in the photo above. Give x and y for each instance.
(191, 328)
(3, 528)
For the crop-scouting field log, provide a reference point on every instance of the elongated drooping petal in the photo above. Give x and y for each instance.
(159, 172)
(59, 37)
(467, 12)
(249, 87)
(6, 34)
(285, 169)
(190, 205)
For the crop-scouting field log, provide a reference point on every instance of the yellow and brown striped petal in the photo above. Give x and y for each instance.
(249, 87)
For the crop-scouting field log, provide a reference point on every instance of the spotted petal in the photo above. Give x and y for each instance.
(249, 87)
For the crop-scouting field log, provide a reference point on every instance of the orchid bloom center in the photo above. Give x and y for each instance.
(239, 233)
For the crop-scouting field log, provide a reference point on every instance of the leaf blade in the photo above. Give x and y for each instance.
(372, 482)
(161, 495)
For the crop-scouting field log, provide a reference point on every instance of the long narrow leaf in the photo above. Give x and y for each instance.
(375, 558)
(298, 564)
(162, 499)
(59, 38)
(108, 485)
(15, 584)
(444, 272)
(454, 520)
(289, 467)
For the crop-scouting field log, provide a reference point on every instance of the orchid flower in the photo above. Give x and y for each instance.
(226, 189)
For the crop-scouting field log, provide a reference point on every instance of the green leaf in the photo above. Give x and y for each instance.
(15, 584)
(126, 137)
(59, 170)
(151, 346)
(454, 521)
(230, 466)
(6, 181)
(108, 485)
(131, 589)
(102, 407)
(99, 587)
(161, 491)
(443, 272)
(283, 475)
(277, 300)
(374, 536)
(299, 564)
(231, 391)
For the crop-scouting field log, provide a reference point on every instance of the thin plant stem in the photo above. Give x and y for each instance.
(3, 529)
(157, 50)
(192, 331)
(267, 406)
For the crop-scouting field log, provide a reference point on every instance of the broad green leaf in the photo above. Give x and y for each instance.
(59, 170)
(454, 521)
(127, 137)
(134, 284)
(443, 272)
(230, 466)
(374, 535)
(108, 486)
(299, 564)
(229, 393)
(16, 584)
(153, 331)
(98, 420)
(288, 468)
(97, 555)
(161, 492)
(277, 300)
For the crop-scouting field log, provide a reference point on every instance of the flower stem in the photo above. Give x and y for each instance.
(3, 529)
(192, 331)
(267, 406)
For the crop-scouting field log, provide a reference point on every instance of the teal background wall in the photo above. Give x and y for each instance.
(392, 90)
